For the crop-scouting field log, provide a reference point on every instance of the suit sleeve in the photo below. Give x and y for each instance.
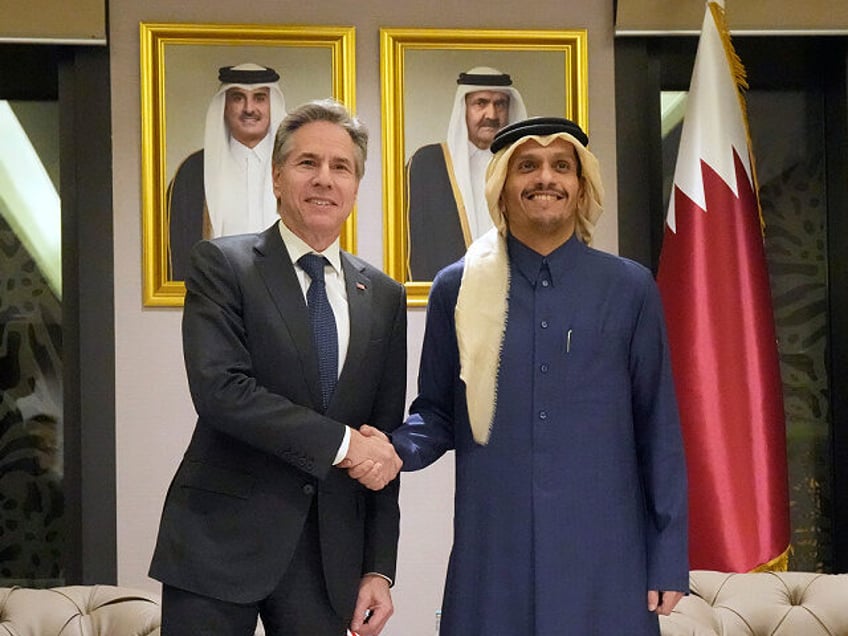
(428, 432)
(383, 513)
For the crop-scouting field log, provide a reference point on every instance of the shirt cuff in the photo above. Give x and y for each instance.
(382, 576)
(343, 448)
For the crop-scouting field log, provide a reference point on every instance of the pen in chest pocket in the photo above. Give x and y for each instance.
(568, 340)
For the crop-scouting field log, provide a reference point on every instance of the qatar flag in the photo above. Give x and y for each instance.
(715, 290)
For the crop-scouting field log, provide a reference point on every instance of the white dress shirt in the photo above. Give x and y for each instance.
(336, 294)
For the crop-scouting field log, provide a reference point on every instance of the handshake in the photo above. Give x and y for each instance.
(371, 459)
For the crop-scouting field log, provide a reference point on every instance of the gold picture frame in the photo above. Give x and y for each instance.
(179, 67)
(549, 68)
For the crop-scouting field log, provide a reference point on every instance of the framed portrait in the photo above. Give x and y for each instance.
(180, 66)
(427, 77)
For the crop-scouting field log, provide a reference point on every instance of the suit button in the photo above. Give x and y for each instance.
(309, 489)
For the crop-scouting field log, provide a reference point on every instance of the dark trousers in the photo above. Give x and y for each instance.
(298, 606)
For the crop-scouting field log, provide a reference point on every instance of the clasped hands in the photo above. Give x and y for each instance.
(371, 459)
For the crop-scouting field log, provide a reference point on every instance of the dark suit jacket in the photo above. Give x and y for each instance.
(262, 450)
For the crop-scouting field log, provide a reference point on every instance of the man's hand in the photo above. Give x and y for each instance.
(373, 606)
(663, 602)
(371, 459)
(370, 431)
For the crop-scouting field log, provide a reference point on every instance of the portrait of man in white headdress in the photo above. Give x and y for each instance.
(225, 187)
(446, 206)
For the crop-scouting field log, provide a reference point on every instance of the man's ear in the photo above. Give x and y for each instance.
(275, 171)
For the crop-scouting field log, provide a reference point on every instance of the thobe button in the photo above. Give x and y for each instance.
(309, 489)
(543, 415)
(545, 283)
(544, 324)
(543, 368)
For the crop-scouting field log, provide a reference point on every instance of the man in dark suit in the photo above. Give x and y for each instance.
(263, 517)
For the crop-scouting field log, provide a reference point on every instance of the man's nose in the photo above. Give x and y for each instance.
(321, 175)
(546, 172)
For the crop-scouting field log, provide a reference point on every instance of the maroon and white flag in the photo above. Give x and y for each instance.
(715, 290)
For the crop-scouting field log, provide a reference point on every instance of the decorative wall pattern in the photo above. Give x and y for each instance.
(789, 141)
(31, 469)
(794, 211)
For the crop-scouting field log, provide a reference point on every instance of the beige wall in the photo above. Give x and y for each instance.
(154, 414)
(83, 21)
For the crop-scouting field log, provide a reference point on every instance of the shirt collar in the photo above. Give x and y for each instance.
(297, 247)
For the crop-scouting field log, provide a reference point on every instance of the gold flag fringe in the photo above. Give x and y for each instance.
(741, 79)
(780, 563)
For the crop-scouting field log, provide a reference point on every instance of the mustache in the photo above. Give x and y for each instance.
(543, 189)
(489, 123)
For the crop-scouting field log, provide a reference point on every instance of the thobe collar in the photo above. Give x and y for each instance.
(528, 262)
(261, 151)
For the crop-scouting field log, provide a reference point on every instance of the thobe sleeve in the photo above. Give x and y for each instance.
(660, 447)
(428, 431)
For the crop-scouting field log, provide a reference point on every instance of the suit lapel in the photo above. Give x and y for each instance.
(359, 299)
(276, 269)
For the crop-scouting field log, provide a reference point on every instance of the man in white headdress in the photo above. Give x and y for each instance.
(446, 204)
(545, 367)
(225, 188)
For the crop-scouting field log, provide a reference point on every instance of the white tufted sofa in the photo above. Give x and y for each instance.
(79, 610)
(761, 604)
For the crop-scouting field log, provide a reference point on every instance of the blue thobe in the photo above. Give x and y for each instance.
(576, 506)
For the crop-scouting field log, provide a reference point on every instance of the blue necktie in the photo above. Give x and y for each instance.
(324, 333)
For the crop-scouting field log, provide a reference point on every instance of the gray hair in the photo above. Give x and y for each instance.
(328, 110)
